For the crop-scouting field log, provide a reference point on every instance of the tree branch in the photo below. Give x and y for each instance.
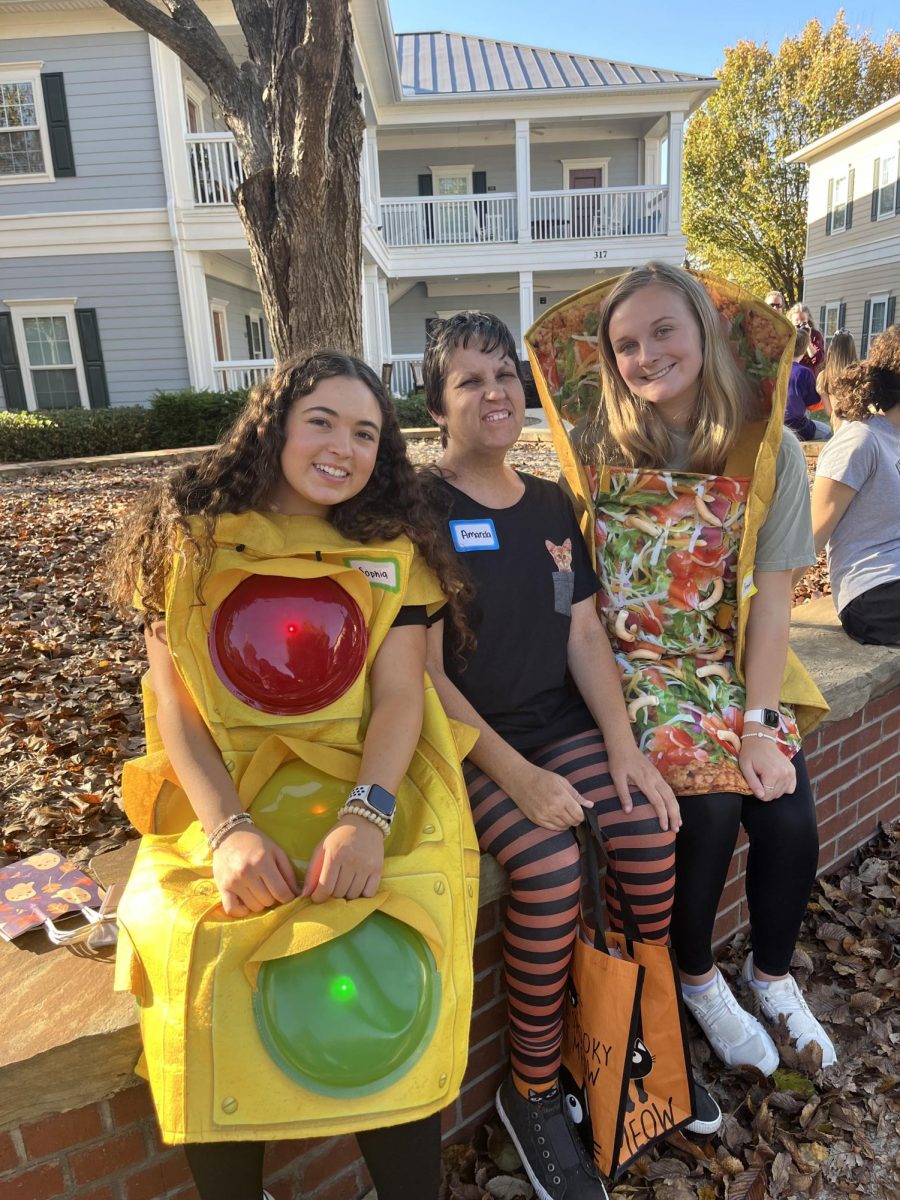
(255, 19)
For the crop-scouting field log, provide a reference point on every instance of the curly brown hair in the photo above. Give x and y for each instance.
(237, 476)
(872, 386)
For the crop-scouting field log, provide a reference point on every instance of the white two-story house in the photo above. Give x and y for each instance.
(851, 271)
(494, 176)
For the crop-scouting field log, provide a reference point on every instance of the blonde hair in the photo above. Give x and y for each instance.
(795, 311)
(627, 429)
(841, 354)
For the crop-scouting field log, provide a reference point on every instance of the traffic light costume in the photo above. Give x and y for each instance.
(305, 1019)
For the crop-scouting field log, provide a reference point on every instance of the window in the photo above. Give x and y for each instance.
(885, 202)
(24, 146)
(193, 105)
(839, 205)
(219, 315)
(49, 353)
(256, 341)
(831, 321)
(452, 181)
(878, 321)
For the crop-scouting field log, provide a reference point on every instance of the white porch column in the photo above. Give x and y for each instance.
(198, 337)
(651, 160)
(384, 319)
(371, 321)
(168, 86)
(523, 179)
(676, 144)
(526, 304)
(371, 184)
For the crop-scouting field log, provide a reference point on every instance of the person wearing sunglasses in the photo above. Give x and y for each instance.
(775, 300)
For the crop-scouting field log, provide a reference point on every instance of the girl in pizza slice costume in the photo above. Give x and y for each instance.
(698, 502)
(299, 922)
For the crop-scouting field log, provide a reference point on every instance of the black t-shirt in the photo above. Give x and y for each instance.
(529, 565)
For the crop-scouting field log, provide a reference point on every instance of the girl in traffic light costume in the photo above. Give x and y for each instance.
(285, 582)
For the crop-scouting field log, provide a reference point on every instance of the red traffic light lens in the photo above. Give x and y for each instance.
(288, 646)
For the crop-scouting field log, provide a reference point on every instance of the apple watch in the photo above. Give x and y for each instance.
(375, 799)
(770, 717)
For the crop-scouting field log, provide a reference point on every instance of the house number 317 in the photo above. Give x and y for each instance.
(600, 253)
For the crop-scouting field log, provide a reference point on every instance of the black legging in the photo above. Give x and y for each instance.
(404, 1162)
(781, 869)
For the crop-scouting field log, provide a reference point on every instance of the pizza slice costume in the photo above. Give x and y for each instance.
(305, 1019)
(675, 550)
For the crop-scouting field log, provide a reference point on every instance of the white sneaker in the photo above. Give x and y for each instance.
(784, 996)
(735, 1035)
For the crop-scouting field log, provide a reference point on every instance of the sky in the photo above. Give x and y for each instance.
(658, 33)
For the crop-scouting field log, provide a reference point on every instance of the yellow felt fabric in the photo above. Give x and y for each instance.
(193, 969)
(755, 454)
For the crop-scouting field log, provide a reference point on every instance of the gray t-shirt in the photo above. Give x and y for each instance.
(785, 539)
(864, 548)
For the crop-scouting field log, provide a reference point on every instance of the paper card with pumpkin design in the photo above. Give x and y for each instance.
(44, 885)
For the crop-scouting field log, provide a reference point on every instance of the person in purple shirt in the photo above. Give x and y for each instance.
(802, 395)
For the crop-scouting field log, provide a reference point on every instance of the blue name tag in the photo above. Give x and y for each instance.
(479, 534)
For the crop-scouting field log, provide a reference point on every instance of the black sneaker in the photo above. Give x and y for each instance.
(708, 1115)
(551, 1152)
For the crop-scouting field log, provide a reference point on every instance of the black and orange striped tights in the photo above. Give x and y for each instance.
(544, 867)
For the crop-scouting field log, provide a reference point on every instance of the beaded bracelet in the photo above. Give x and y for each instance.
(767, 736)
(222, 830)
(357, 810)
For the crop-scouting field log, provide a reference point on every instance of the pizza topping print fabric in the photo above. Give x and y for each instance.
(667, 546)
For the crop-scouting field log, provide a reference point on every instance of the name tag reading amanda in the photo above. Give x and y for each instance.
(479, 534)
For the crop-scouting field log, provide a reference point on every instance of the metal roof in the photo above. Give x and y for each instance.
(455, 63)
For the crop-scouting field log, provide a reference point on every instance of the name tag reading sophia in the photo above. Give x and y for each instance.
(479, 534)
(380, 572)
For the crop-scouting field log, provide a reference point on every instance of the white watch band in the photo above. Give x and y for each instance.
(759, 716)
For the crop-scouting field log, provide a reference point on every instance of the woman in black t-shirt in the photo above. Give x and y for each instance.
(542, 688)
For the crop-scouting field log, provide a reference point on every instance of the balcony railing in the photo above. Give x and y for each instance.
(449, 220)
(215, 167)
(406, 374)
(242, 373)
(598, 213)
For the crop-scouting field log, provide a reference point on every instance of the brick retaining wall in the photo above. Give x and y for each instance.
(110, 1150)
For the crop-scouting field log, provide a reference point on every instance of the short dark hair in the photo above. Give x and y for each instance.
(481, 329)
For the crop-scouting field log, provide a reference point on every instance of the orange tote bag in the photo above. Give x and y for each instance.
(625, 1042)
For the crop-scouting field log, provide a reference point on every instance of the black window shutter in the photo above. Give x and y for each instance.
(10, 372)
(479, 182)
(842, 315)
(426, 188)
(250, 352)
(864, 343)
(828, 206)
(876, 180)
(851, 176)
(822, 319)
(58, 124)
(92, 357)
(891, 309)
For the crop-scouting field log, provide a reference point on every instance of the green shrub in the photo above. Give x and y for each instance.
(71, 433)
(174, 419)
(411, 411)
(190, 418)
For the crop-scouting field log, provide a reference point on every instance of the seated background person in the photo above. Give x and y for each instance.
(856, 496)
(802, 395)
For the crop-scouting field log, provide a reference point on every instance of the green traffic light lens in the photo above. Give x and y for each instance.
(351, 1016)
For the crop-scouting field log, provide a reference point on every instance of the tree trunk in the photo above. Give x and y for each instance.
(294, 110)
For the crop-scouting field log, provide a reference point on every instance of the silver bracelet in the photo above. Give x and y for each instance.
(357, 810)
(222, 830)
(767, 736)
